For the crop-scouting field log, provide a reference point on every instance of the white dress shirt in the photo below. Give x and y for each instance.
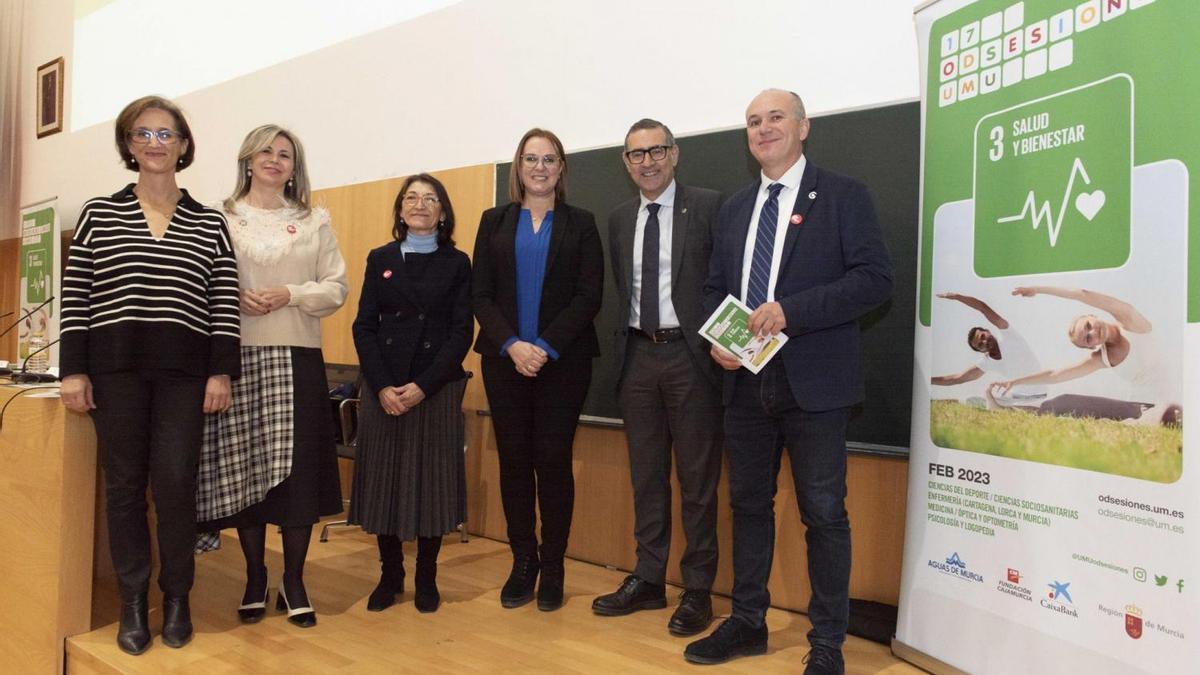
(666, 220)
(787, 202)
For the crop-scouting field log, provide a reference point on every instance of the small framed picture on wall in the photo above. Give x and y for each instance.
(50, 98)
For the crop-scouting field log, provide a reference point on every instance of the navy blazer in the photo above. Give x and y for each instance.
(396, 324)
(835, 268)
(571, 292)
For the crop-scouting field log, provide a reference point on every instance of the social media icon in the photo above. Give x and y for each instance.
(1139, 574)
(1160, 580)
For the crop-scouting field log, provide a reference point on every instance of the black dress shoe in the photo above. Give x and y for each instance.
(252, 612)
(304, 617)
(634, 594)
(550, 587)
(693, 614)
(733, 638)
(177, 622)
(518, 590)
(252, 608)
(824, 661)
(133, 636)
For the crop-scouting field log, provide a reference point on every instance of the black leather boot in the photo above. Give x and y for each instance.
(133, 636)
(177, 622)
(550, 587)
(518, 590)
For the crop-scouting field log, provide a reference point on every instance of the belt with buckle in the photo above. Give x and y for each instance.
(660, 336)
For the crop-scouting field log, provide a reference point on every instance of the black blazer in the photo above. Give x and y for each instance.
(693, 218)
(835, 268)
(396, 325)
(571, 292)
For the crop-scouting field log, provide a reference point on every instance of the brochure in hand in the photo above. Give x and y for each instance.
(728, 328)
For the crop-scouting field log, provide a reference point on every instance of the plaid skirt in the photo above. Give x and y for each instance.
(269, 458)
(410, 473)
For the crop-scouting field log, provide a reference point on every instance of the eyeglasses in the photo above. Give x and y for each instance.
(657, 153)
(531, 160)
(412, 198)
(142, 136)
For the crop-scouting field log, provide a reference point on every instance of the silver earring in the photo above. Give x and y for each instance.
(291, 183)
(248, 172)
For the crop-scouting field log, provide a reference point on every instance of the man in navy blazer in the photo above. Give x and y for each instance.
(803, 249)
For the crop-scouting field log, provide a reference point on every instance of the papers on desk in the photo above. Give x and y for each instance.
(728, 328)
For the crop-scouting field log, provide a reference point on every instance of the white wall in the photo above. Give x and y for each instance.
(460, 86)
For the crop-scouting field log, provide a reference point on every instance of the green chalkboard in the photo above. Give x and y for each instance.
(880, 147)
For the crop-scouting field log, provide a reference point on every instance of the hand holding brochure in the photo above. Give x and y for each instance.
(728, 328)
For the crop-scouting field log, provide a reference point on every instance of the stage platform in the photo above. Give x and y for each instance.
(470, 633)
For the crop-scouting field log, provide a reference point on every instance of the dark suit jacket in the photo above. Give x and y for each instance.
(571, 292)
(693, 218)
(835, 268)
(397, 325)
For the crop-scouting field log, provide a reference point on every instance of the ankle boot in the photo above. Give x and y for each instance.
(550, 587)
(391, 578)
(133, 636)
(177, 622)
(427, 598)
(518, 590)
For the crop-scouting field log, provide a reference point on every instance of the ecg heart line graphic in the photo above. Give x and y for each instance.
(1087, 203)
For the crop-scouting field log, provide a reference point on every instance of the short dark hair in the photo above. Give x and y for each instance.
(130, 113)
(445, 228)
(971, 336)
(516, 190)
(646, 124)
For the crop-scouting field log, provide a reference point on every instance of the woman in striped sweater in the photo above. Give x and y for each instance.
(149, 345)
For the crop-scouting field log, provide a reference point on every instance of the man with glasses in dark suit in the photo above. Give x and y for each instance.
(668, 388)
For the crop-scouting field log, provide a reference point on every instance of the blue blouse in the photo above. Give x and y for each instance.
(531, 251)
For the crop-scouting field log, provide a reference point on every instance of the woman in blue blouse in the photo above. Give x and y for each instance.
(537, 282)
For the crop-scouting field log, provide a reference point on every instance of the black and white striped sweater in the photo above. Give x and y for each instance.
(131, 302)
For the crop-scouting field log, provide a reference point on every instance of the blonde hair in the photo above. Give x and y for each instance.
(298, 192)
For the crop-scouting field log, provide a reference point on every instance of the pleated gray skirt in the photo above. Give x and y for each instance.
(410, 473)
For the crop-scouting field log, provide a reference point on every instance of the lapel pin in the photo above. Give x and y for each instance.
(387, 274)
(291, 229)
(812, 195)
(797, 219)
(683, 210)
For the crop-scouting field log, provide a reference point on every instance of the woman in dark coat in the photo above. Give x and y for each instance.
(412, 331)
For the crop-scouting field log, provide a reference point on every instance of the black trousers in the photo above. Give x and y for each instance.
(667, 402)
(535, 420)
(149, 428)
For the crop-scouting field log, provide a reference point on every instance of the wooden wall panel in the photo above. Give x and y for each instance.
(10, 297)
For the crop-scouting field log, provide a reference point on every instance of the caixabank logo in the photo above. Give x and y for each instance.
(1058, 599)
(955, 566)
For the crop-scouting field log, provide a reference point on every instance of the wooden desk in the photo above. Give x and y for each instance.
(47, 510)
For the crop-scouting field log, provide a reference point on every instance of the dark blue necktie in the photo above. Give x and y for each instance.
(648, 309)
(764, 249)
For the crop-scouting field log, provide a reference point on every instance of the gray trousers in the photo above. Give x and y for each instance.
(666, 401)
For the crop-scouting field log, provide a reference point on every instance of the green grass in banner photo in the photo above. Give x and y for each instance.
(996, 55)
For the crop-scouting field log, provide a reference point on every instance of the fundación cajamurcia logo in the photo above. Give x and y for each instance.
(1058, 599)
(956, 567)
(1011, 585)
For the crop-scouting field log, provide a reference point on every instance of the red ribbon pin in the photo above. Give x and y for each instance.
(387, 274)
(291, 229)
(797, 219)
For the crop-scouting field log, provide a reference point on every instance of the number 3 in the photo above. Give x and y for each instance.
(997, 137)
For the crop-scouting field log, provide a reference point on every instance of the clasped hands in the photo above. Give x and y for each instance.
(399, 400)
(260, 301)
(527, 358)
(768, 319)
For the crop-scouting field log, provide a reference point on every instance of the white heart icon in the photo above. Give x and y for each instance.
(1089, 204)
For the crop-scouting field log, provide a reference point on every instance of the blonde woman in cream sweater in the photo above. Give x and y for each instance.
(271, 458)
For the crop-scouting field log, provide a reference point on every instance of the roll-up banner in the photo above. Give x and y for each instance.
(1051, 473)
(39, 283)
